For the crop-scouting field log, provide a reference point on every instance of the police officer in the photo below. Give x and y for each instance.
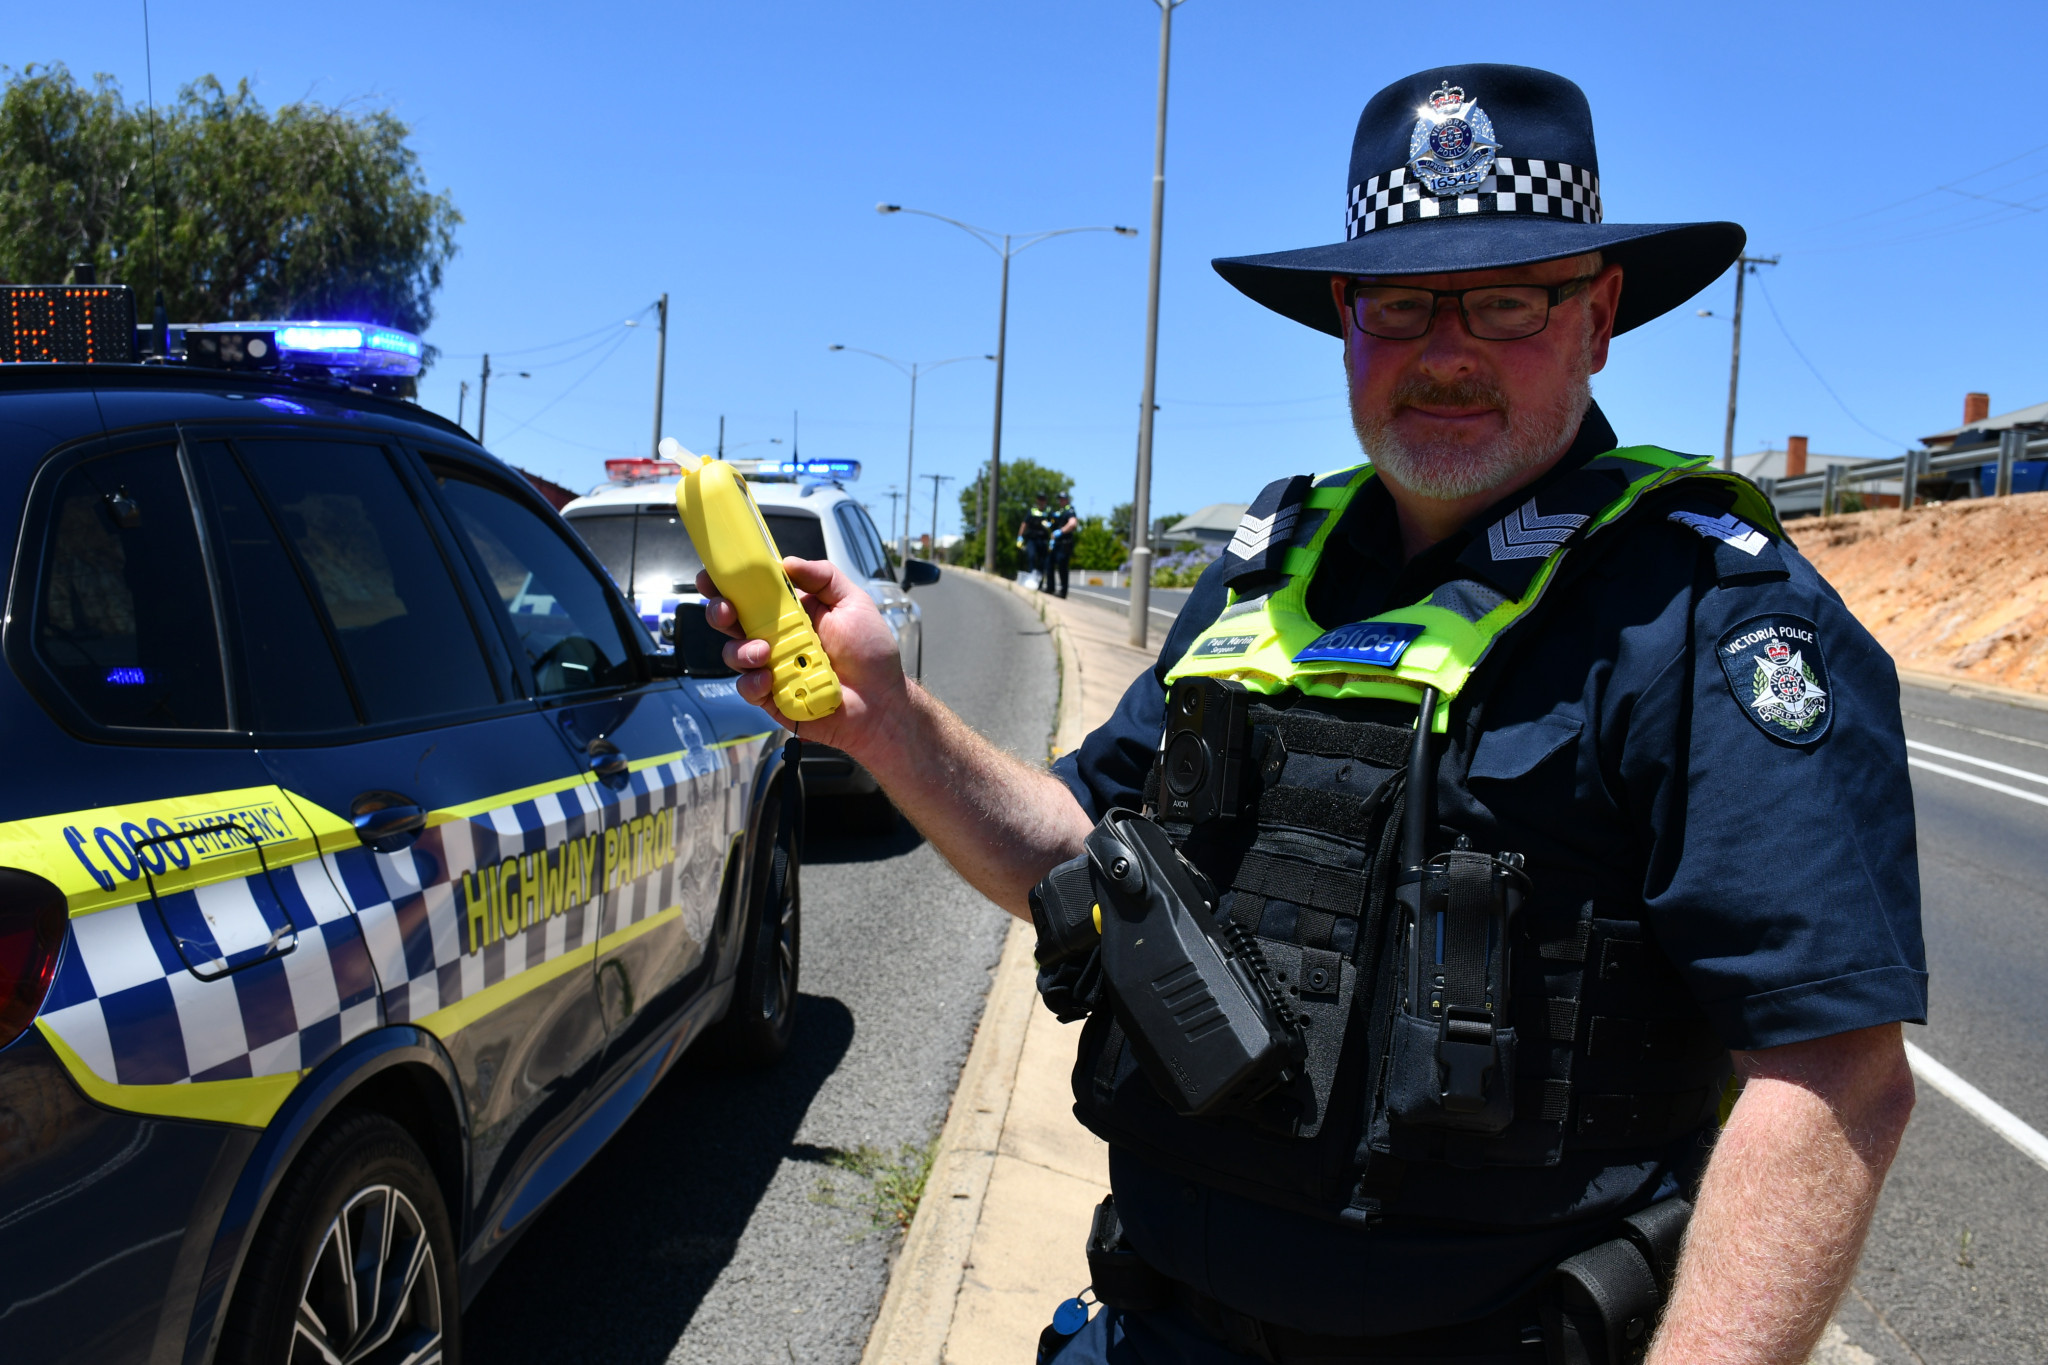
(1036, 531)
(1638, 918)
(1065, 525)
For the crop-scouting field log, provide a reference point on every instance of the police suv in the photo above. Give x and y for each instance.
(364, 862)
(631, 524)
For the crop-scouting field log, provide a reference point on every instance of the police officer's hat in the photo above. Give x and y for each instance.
(1476, 168)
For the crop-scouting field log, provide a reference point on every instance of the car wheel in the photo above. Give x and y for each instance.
(762, 1017)
(354, 1263)
(872, 815)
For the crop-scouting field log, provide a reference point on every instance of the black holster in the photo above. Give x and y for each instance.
(1606, 1301)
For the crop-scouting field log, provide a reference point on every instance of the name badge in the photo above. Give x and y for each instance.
(1379, 643)
(1219, 646)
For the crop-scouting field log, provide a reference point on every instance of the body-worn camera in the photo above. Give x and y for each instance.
(1207, 1021)
(1201, 752)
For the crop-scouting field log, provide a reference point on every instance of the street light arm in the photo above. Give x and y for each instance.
(927, 369)
(886, 359)
(1035, 238)
(980, 234)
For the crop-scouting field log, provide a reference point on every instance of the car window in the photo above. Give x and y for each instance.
(610, 536)
(558, 610)
(876, 548)
(856, 541)
(360, 541)
(796, 533)
(124, 615)
(287, 680)
(644, 551)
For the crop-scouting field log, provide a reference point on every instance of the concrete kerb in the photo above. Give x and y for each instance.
(1977, 691)
(917, 1308)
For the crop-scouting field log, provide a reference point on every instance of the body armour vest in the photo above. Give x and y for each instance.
(1589, 1041)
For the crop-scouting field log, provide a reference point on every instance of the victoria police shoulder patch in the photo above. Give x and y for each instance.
(1779, 677)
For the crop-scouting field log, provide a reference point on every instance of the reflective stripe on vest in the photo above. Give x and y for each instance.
(1437, 642)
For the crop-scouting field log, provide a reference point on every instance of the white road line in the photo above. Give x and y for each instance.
(2007, 769)
(1123, 602)
(1977, 730)
(1980, 1106)
(1977, 781)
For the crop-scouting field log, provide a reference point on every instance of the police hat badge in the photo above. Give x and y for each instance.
(1452, 147)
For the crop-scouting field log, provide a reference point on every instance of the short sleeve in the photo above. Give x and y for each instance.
(1109, 768)
(1769, 758)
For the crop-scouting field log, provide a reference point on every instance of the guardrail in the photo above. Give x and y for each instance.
(2012, 445)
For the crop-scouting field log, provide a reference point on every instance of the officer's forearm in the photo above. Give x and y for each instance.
(1001, 822)
(1787, 1200)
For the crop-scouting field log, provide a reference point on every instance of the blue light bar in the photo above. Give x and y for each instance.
(344, 347)
(126, 677)
(822, 469)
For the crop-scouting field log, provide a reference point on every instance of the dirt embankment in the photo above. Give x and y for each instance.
(1958, 589)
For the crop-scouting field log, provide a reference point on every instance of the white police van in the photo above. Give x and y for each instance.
(364, 861)
(631, 524)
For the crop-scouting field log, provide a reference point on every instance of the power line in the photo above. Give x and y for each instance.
(623, 336)
(552, 345)
(1784, 332)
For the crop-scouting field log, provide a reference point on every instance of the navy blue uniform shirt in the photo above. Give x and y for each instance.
(1700, 726)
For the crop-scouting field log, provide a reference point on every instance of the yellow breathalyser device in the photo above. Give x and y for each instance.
(746, 567)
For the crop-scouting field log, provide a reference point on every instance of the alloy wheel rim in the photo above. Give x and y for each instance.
(373, 1295)
(782, 988)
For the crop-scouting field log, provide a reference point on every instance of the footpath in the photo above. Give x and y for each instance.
(997, 1241)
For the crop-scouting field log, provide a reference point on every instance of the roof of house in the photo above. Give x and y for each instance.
(1217, 521)
(2017, 417)
(1770, 464)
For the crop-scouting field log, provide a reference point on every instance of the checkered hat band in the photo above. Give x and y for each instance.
(1550, 189)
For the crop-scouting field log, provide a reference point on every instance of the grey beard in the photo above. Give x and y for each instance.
(1450, 469)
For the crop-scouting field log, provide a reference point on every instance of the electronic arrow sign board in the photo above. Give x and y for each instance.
(72, 324)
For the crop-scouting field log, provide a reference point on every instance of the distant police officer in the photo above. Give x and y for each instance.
(1526, 844)
(1065, 524)
(1035, 531)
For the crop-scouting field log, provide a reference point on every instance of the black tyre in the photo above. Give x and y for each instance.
(354, 1262)
(872, 815)
(762, 1017)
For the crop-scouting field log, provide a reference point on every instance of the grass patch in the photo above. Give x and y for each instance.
(889, 1186)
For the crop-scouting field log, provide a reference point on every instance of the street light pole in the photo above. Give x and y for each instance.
(483, 396)
(1008, 249)
(1744, 265)
(660, 371)
(912, 369)
(1141, 496)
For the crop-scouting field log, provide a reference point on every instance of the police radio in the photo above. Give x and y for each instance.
(746, 568)
(1207, 1021)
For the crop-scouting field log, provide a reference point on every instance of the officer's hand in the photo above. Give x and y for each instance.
(856, 638)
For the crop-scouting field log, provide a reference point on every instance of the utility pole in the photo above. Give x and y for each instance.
(995, 458)
(1744, 265)
(893, 496)
(936, 479)
(1141, 497)
(461, 402)
(721, 435)
(660, 371)
(483, 396)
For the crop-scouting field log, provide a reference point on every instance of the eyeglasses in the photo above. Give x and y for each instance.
(1492, 312)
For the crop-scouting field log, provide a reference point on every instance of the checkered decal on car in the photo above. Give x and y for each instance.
(416, 904)
(1518, 185)
(126, 1003)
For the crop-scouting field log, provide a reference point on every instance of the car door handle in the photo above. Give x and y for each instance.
(606, 760)
(386, 821)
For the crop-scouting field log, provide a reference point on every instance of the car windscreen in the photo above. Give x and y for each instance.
(646, 552)
(796, 533)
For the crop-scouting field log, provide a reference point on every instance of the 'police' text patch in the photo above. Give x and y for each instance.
(1775, 669)
(1380, 643)
(1220, 646)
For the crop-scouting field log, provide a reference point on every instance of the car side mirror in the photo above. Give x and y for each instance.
(919, 573)
(698, 645)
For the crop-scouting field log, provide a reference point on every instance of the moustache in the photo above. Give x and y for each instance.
(1459, 393)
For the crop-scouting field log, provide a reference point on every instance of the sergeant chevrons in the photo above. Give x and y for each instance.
(1608, 1049)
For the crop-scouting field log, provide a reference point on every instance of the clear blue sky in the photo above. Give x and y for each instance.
(732, 155)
